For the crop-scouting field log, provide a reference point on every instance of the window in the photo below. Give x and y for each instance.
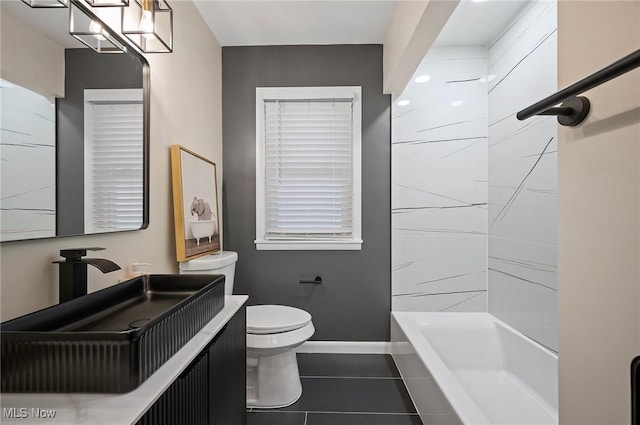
(113, 122)
(308, 144)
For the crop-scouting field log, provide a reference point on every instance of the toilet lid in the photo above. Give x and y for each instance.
(269, 319)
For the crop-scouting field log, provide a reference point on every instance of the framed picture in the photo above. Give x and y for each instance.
(195, 204)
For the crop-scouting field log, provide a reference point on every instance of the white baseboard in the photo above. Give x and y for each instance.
(345, 347)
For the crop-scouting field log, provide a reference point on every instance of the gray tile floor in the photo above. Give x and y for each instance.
(345, 389)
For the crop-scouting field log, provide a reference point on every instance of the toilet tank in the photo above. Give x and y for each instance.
(223, 262)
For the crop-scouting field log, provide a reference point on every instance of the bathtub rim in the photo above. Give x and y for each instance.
(460, 401)
(464, 407)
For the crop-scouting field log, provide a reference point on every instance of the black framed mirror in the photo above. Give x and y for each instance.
(75, 126)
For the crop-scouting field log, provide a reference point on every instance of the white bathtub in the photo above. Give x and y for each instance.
(472, 369)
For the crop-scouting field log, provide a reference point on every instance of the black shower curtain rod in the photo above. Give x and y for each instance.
(574, 108)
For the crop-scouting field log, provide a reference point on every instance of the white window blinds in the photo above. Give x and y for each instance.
(113, 164)
(308, 169)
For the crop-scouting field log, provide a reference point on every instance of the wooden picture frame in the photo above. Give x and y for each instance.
(195, 204)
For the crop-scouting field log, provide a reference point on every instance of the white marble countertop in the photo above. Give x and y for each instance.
(113, 409)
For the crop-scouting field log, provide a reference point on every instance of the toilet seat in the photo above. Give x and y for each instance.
(272, 343)
(275, 319)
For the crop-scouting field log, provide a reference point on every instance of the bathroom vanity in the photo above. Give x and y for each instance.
(203, 383)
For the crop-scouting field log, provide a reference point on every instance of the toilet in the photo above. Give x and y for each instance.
(273, 333)
(221, 263)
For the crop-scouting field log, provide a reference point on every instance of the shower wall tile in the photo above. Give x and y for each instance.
(439, 185)
(440, 221)
(442, 257)
(27, 143)
(523, 287)
(456, 302)
(521, 60)
(431, 121)
(522, 291)
(528, 261)
(532, 309)
(522, 177)
(523, 183)
(454, 181)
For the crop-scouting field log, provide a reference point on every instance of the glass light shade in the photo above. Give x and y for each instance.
(108, 3)
(47, 3)
(91, 33)
(149, 25)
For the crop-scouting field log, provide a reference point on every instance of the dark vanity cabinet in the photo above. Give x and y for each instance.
(228, 383)
(212, 389)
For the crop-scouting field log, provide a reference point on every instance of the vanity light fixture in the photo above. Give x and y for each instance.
(108, 3)
(90, 32)
(403, 102)
(146, 21)
(422, 79)
(149, 25)
(46, 3)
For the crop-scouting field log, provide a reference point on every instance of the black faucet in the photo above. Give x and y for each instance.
(73, 271)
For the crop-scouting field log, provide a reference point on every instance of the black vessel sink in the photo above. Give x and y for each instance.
(109, 341)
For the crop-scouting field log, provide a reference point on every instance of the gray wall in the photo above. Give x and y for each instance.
(354, 301)
(84, 69)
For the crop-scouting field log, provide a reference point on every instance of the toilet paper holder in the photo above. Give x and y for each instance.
(317, 280)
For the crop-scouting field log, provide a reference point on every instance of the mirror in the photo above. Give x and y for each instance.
(75, 127)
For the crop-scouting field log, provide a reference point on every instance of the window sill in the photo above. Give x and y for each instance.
(350, 245)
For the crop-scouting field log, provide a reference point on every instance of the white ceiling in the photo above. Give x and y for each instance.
(290, 22)
(257, 23)
(478, 22)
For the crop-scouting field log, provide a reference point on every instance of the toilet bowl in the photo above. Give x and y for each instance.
(273, 333)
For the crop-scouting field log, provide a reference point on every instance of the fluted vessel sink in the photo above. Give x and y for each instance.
(110, 340)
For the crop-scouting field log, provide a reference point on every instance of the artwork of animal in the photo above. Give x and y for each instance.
(201, 208)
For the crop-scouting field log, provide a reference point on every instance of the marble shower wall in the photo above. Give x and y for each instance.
(27, 143)
(473, 175)
(523, 176)
(439, 185)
